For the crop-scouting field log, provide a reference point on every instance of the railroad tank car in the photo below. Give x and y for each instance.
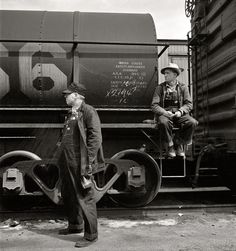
(212, 43)
(114, 55)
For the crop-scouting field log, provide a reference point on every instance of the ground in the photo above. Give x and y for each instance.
(182, 231)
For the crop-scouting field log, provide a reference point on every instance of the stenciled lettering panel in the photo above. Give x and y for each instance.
(128, 80)
(118, 77)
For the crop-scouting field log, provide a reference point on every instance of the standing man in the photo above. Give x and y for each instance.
(80, 153)
(171, 105)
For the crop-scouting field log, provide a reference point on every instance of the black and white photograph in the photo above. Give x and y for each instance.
(118, 125)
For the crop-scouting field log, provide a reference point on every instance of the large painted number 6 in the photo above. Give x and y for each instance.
(4, 78)
(29, 74)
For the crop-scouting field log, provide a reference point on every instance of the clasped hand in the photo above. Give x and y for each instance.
(169, 114)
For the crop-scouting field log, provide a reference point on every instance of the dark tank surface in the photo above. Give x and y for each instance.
(114, 55)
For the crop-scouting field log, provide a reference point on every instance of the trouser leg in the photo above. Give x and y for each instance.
(73, 209)
(90, 215)
(187, 125)
(71, 205)
(85, 199)
(165, 126)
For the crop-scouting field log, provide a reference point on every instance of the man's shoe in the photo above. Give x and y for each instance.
(171, 152)
(67, 231)
(84, 242)
(180, 151)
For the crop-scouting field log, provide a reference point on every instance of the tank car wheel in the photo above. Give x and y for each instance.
(136, 196)
(8, 159)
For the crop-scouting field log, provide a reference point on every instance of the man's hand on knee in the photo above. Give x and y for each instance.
(168, 114)
(178, 114)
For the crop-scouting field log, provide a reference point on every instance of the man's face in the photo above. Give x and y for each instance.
(70, 98)
(73, 99)
(169, 75)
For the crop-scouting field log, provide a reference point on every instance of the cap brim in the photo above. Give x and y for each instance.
(66, 91)
(173, 69)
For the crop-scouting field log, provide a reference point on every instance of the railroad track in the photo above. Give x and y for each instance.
(168, 200)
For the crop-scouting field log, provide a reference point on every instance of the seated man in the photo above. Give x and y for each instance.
(171, 105)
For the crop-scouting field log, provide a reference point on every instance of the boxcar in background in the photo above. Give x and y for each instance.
(212, 42)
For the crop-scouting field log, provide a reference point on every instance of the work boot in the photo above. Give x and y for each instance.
(171, 152)
(84, 242)
(67, 231)
(180, 151)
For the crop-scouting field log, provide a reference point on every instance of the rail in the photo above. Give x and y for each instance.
(166, 45)
(60, 125)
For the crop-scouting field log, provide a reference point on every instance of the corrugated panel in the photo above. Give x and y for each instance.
(214, 65)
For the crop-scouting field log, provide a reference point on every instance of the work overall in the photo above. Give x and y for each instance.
(172, 104)
(79, 207)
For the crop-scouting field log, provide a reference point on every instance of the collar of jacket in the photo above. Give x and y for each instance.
(164, 85)
(167, 84)
(81, 123)
(80, 110)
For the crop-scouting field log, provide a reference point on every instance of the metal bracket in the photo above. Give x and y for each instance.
(28, 167)
(122, 166)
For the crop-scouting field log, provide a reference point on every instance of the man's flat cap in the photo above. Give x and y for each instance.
(75, 87)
